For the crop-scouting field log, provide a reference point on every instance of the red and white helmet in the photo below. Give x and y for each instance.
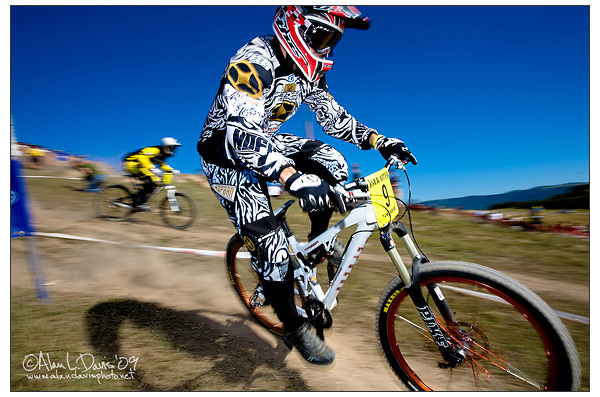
(309, 33)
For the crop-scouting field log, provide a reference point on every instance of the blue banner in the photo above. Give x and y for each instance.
(20, 221)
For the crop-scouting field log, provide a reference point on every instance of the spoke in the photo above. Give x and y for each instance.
(475, 357)
(501, 364)
(411, 323)
(423, 332)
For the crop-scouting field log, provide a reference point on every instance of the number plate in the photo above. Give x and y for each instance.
(382, 197)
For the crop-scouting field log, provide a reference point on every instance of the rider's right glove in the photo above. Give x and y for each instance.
(312, 191)
(157, 171)
(392, 146)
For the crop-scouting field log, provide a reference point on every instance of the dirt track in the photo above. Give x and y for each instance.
(183, 283)
(196, 288)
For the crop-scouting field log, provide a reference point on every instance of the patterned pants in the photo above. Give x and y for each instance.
(244, 196)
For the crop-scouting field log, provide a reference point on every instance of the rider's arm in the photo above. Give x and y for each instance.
(166, 167)
(372, 138)
(336, 121)
(286, 174)
(246, 82)
(145, 156)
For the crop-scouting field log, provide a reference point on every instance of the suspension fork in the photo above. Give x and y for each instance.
(171, 197)
(412, 286)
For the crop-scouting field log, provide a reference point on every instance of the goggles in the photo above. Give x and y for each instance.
(321, 38)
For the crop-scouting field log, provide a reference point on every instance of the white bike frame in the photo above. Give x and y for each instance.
(364, 218)
(170, 190)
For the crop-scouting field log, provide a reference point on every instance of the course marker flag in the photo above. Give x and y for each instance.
(20, 224)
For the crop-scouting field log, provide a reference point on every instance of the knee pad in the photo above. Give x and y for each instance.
(267, 244)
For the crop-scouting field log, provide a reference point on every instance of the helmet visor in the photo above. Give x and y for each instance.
(321, 38)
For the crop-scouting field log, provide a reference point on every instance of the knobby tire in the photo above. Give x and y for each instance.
(512, 339)
(184, 217)
(113, 203)
(244, 281)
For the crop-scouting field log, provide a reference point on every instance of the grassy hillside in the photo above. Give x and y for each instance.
(109, 300)
(577, 197)
(504, 200)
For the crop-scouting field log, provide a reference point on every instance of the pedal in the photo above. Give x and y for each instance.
(258, 299)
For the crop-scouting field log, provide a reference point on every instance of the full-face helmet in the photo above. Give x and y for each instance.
(309, 33)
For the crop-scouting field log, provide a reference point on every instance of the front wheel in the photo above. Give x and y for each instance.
(511, 340)
(113, 203)
(179, 214)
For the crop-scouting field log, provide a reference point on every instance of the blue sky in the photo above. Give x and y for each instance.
(488, 98)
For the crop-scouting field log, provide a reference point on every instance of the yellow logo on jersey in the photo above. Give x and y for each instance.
(243, 77)
(225, 191)
(282, 111)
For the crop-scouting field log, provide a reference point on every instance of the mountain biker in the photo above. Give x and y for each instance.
(241, 150)
(150, 167)
(90, 172)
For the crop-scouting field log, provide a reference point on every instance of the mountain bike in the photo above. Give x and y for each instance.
(116, 203)
(444, 325)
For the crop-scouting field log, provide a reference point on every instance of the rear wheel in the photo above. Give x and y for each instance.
(113, 203)
(180, 216)
(510, 338)
(247, 286)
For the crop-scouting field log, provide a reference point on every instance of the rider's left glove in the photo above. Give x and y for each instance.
(312, 191)
(392, 146)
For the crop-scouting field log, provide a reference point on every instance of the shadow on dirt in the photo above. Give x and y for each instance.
(235, 357)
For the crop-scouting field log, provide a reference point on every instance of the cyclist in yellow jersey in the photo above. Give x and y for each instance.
(150, 167)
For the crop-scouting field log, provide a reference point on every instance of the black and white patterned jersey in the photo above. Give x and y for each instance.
(259, 91)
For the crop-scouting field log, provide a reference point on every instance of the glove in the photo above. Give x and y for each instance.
(390, 146)
(338, 198)
(175, 172)
(157, 171)
(312, 191)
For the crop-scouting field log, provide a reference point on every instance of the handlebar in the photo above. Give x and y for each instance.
(361, 184)
(394, 160)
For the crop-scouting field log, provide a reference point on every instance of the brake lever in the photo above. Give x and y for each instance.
(395, 161)
(340, 197)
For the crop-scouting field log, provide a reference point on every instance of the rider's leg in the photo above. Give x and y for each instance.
(316, 157)
(140, 197)
(146, 177)
(319, 222)
(94, 183)
(244, 198)
(270, 258)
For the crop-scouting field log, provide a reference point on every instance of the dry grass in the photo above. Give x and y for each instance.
(185, 350)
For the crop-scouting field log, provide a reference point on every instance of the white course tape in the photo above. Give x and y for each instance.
(170, 249)
(53, 177)
(563, 315)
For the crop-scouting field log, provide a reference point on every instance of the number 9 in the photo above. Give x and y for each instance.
(386, 195)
